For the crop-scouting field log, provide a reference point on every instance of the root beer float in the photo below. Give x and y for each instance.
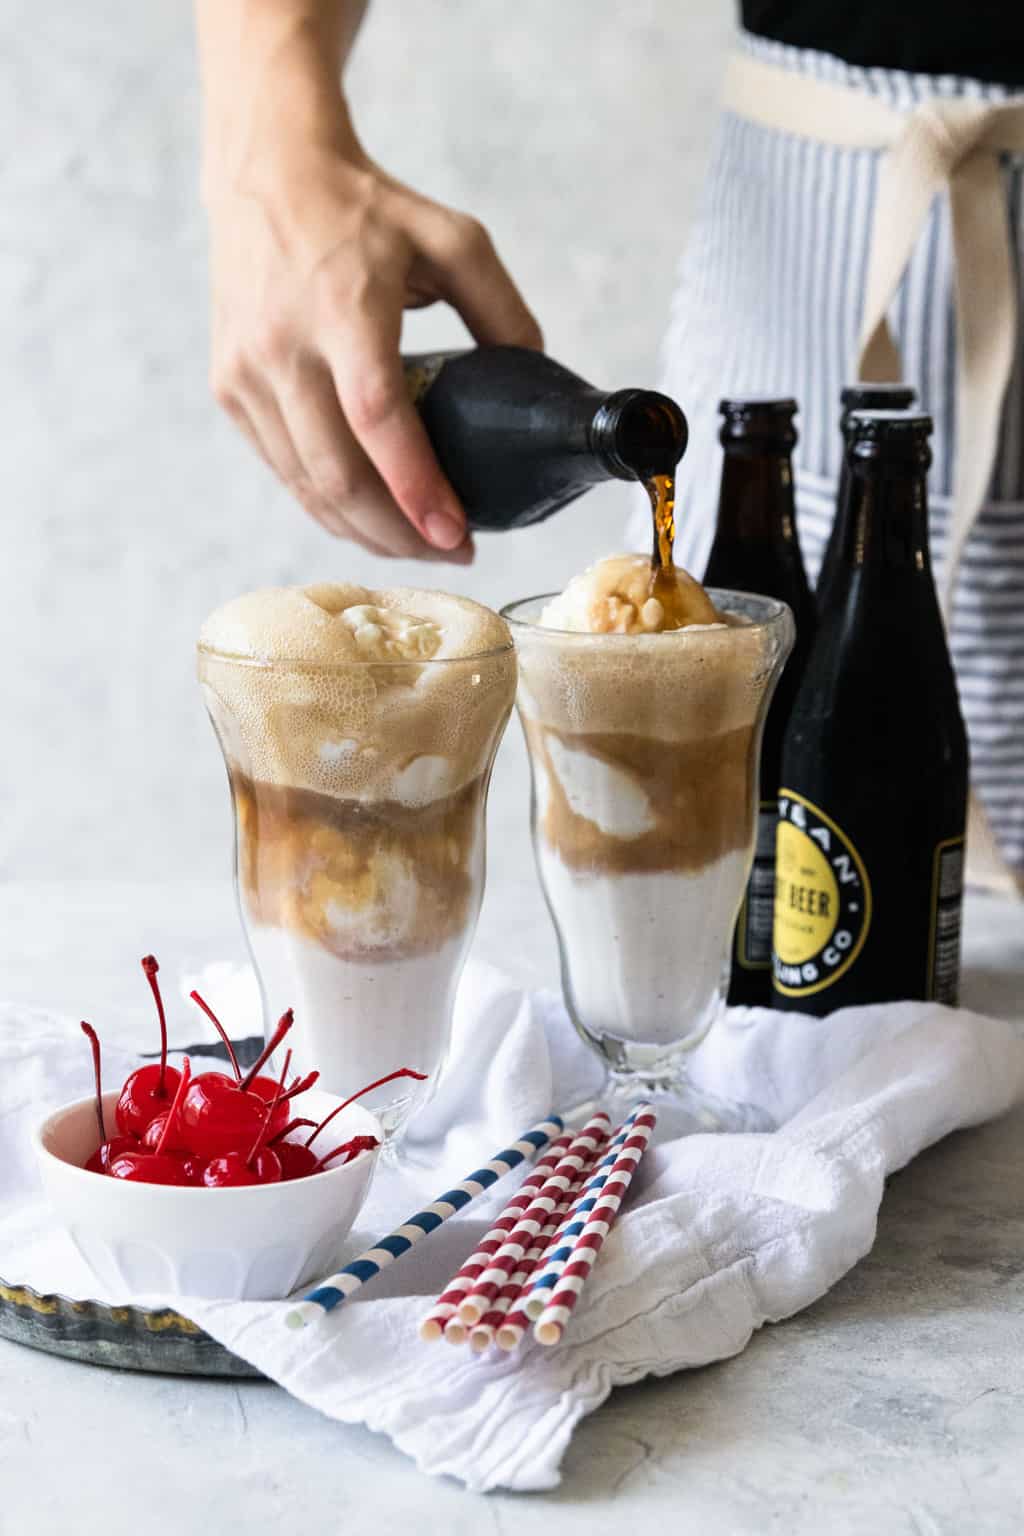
(359, 728)
(642, 699)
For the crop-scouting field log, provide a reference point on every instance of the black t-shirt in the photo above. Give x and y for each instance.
(983, 39)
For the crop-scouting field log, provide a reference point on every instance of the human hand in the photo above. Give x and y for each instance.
(315, 255)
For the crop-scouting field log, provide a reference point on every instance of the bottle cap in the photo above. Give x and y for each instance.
(896, 434)
(760, 420)
(877, 396)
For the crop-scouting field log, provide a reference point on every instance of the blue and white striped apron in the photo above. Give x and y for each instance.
(769, 301)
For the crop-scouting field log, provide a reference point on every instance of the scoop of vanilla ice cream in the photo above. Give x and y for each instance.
(332, 623)
(386, 634)
(615, 597)
(339, 688)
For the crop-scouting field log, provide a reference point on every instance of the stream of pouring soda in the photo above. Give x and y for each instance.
(661, 488)
(662, 491)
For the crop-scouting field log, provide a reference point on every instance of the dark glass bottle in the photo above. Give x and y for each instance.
(519, 436)
(854, 397)
(873, 801)
(756, 549)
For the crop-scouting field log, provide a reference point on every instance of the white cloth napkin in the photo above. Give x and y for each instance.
(722, 1234)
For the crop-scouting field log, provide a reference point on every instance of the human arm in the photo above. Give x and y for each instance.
(315, 253)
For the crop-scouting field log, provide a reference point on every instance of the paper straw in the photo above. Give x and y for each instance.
(568, 1172)
(555, 1194)
(518, 1320)
(542, 1286)
(551, 1324)
(482, 1335)
(336, 1288)
(444, 1309)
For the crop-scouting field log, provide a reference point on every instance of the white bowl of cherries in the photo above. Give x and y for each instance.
(208, 1184)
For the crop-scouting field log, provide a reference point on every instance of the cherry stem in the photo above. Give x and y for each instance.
(420, 1077)
(301, 1085)
(353, 1148)
(219, 1027)
(172, 1113)
(94, 1040)
(293, 1125)
(271, 1108)
(150, 967)
(284, 1024)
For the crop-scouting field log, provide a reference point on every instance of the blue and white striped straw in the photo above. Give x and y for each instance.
(560, 1250)
(336, 1288)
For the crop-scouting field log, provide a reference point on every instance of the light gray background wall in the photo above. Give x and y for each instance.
(577, 130)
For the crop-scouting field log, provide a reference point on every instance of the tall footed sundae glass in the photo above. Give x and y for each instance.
(359, 729)
(643, 718)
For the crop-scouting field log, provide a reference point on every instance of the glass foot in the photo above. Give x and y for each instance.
(681, 1107)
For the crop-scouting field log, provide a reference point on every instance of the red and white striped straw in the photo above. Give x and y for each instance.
(562, 1182)
(517, 1323)
(483, 1333)
(552, 1321)
(480, 1334)
(439, 1317)
(512, 1331)
(543, 1284)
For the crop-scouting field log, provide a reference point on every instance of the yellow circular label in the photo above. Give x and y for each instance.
(822, 899)
(806, 896)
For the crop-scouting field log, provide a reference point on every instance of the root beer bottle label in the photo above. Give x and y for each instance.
(873, 804)
(822, 898)
(756, 549)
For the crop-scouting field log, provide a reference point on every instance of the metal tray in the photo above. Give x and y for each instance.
(129, 1338)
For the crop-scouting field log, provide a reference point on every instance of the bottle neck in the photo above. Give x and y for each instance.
(637, 433)
(756, 499)
(881, 602)
(886, 521)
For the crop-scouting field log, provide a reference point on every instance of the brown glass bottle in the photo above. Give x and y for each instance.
(756, 549)
(854, 397)
(873, 800)
(520, 436)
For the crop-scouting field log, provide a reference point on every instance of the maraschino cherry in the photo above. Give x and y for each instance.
(261, 1165)
(158, 1166)
(215, 1130)
(155, 1131)
(100, 1160)
(148, 1090)
(191, 1166)
(234, 1170)
(219, 1115)
(297, 1161)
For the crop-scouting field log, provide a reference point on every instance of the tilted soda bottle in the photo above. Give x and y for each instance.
(519, 436)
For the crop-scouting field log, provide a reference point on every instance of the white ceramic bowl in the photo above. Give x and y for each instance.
(258, 1242)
